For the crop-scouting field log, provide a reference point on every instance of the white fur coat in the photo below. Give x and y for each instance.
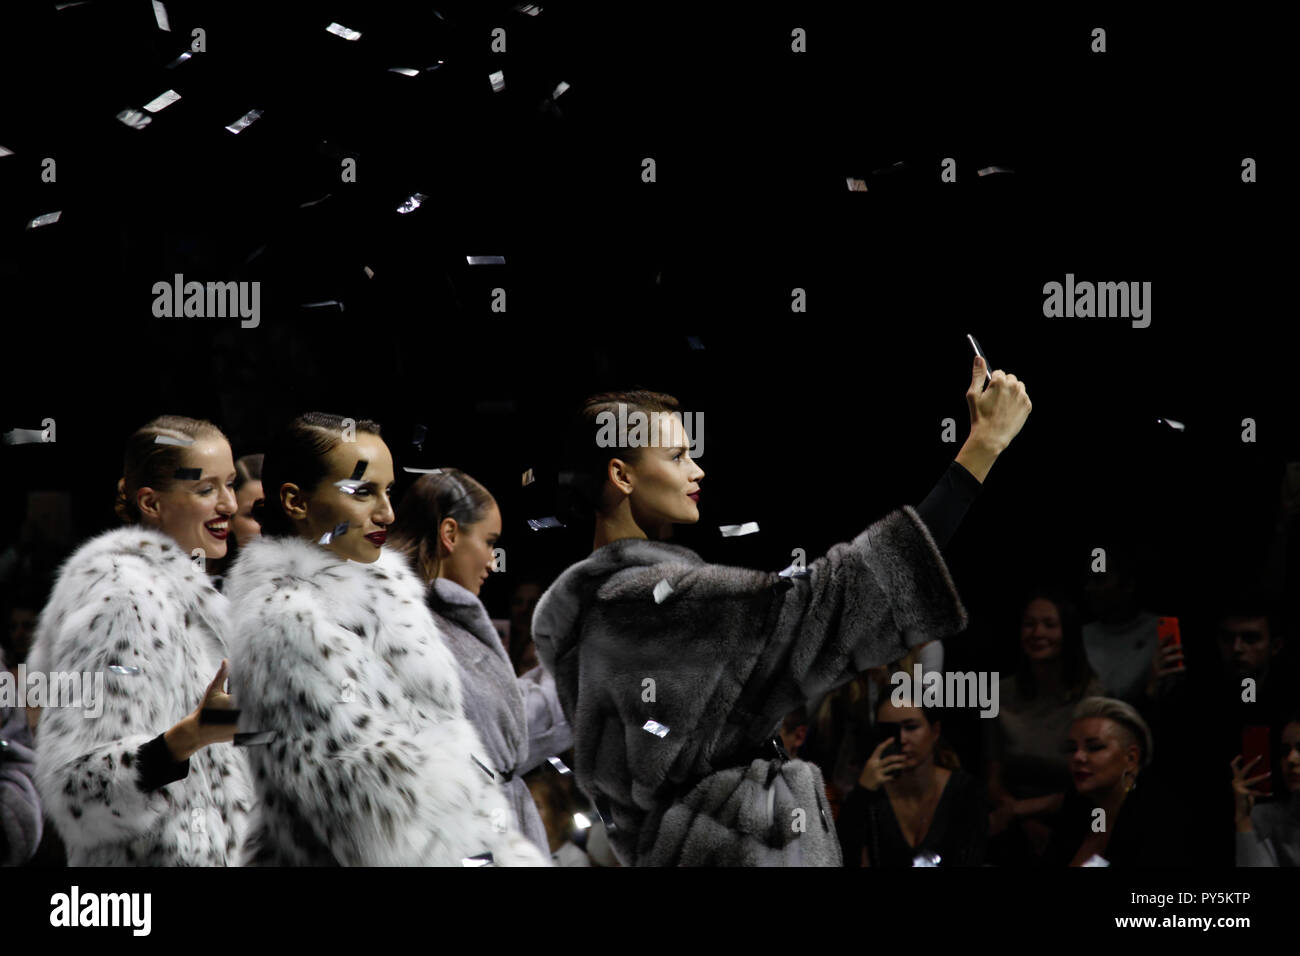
(132, 597)
(374, 762)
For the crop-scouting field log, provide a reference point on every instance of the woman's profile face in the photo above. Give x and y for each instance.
(1041, 636)
(364, 503)
(919, 735)
(1099, 756)
(471, 557)
(196, 511)
(1291, 756)
(665, 479)
(243, 523)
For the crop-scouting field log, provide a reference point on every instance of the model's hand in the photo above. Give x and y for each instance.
(880, 770)
(1243, 790)
(192, 735)
(997, 413)
(1166, 666)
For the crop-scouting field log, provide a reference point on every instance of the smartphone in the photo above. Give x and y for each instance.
(988, 374)
(1168, 634)
(218, 715)
(884, 730)
(1254, 743)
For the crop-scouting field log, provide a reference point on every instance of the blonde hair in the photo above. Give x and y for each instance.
(1123, 715)
(149, 463)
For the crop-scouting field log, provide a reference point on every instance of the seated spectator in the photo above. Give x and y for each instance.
(1028, 773)
(1106, 814)
(913, 802)
(1268, 834)
(1121, 641)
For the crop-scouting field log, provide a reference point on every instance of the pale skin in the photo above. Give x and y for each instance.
(1104, 761)
(243, 524)
(465, 551)
(646, 493)
(912, 781)
(1244, 786)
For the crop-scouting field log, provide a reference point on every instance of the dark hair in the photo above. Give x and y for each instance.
(582, 482)
(1251, 601)
(434, 498)
(1075, 670)
(247, 468)
(150, 464)
(297, 457)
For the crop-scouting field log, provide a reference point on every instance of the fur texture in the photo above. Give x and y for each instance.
(131, 596)
(730, 652)
(374, 762)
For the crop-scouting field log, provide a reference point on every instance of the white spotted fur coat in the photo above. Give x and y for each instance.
(374, 760)
(132, 597)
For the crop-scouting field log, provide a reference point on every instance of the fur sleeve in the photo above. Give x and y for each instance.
(86, 767)
(784, 641)
(374, 784)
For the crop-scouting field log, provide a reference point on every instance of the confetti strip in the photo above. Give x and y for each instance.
(993, 170)
(483, 859)
(528, 478)
(1176, 426)
(161, 101)
(245, 121)
(127, 670)
(404, 70)
(24, 436)
(559, 765)
(360, 469)
(412, 203)
(322, 305)
(348, 486)
(793, 572)
(537, 524)
(857, 185)
(498, 81)
(168, 440)
(423, 471)
(736, 530)
(485, 260)
(662, 590)
(183, 58)
(581, 822)
(315, 202)
(45, 219)
(370, 273)
(340, 30)
(559, 90)
(656, 728)
(338, 532)
(6, 152)
(160, 14)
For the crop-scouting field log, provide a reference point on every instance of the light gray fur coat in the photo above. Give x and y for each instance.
(730, 652)
(374, 764)
(519, 719)
(132, 597)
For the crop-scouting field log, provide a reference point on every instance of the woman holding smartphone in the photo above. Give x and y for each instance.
(372, 761)
(675, 673)
(142, 784)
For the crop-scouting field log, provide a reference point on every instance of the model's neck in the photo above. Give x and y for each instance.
(618, 524)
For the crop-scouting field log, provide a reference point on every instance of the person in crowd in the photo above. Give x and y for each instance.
(363, 754)
(1121, 641)
(22, 822)
(248, 491)
(675, 673)
(122, 782)
(913, 799)
(448, 526)
(1114, 812)
(1027, 771)
(1268, 834)
(523, 602)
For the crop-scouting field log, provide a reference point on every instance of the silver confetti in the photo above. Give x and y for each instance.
(498, 80)
(736, 530)
(483, 859)
(1176, 426)
(404, 70)
(422, 471)
(245, 121)
(322, 305)
(348, 486)
(662, 590)
(25, 436)
(537, 524)
(338, 532)
(74, 3)
(581, 822)
(340, 30)
(168, 440)
(486, 260)
(793, 572)
(161, 101)
(127, 670)
(412, 204)
(856, 185)
(531, 9)
(135, 119)
(6, 152)
(559, 89)
(314, 202)
(993, 170)
(430, 69)
(656, 728)
(45, 219)
(160, 14)
(926, 859)
(528, 478)
(559, 765)
(1096, 860)
(184, 57)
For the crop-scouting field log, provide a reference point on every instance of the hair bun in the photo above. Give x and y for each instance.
(122, 505)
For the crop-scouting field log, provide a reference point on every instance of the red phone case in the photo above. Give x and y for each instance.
(1168, 634)
(1254, 743)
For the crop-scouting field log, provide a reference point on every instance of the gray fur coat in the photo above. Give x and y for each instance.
(719, 660)
(497, 702)
(131, 597)
(374, 763)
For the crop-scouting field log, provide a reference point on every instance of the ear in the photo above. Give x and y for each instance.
(620, 474)
(294, 502)
(149, 503)
(448, 530)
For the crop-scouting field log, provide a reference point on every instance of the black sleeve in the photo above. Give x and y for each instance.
(852, 826)
(972, 833)
(947, 503)
(157, 768)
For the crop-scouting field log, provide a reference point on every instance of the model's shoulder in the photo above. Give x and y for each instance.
(134, 558)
